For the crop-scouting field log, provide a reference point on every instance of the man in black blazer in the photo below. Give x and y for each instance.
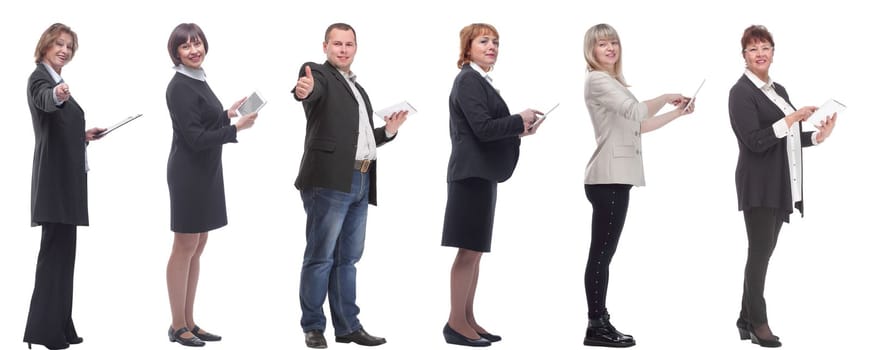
(337, 181)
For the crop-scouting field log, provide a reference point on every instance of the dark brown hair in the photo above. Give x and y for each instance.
(467, 35)
(49, 36)
(755, 33)
(181, 34)
(339, 26)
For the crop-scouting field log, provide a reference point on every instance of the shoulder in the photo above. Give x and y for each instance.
(743, 87)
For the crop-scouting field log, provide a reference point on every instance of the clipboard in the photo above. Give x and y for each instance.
(692, 100)
(119, 124)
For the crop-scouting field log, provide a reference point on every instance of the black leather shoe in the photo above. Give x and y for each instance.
(315, 339)
(453, 337)
(203, 335)
(764, 343)
(361, 337)
(76, 340)
(50, 347)
(600, 332)
(743, 329)
(175, 336)
(491, 337)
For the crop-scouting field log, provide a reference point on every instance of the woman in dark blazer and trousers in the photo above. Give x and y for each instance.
(59, 188)
(485, 139)
(769, 170)
(194, 172)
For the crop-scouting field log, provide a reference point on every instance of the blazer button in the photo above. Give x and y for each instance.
(637, 151)
(636, 133)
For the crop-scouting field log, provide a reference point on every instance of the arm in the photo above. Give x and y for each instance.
(42, 93)
(603, 90)
(310, 86)
(471, 100)
(186, 117)
(745, 122)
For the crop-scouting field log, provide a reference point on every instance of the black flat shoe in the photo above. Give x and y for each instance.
(314, 339)
(361, 337)
(175, 336)
(203, 335)
(491, 337)
(600, 332)
(453, 337)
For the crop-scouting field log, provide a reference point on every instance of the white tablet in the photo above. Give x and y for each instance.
(692, 100)
(398, 107)
(541, 120)
(829, 108)
(251, 105)
(119, 124)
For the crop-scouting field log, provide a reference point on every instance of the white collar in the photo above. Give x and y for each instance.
(195, 73)
(51, 71)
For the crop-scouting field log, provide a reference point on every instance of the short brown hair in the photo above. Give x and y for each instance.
(181, 34)
(339, 26)
(49, 36)
(755, 33)
(467, 35)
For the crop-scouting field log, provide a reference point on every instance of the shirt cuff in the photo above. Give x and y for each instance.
(780, 128)
(389, 134)
(813, 138)
(54, 97)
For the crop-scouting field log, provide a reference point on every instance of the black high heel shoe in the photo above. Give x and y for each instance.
(49, 347)
(175, 336)
(743, 329)
(764, 343)
(453, 337)
(203, 335)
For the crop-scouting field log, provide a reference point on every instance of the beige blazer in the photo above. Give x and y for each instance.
(616, 116)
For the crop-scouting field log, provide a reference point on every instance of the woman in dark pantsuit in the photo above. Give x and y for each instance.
(769, 170)
(59, 188)
(200, 128)
(485, 139)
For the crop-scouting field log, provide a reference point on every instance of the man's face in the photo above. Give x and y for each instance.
(340, 48)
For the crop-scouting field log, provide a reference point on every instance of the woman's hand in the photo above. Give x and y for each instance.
(93, 134)
(826, 127)
(61, 91)
(246, 121)
(529, 117)
(232, 112)
(800, 115)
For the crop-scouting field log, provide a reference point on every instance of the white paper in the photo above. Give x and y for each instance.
(252, 105)
(827, 109)
(398, 107)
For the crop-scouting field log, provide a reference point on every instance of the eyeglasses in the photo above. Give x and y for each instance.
(755, 49)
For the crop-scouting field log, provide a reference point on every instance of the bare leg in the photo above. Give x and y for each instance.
(192, 281)
(177, 276)
(469, 307)
(463, 282)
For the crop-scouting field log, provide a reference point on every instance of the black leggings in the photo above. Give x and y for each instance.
(609, 208)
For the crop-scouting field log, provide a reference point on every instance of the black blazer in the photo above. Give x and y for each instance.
(331, 132)
(483, 133)
(762, 175)
(59, 185)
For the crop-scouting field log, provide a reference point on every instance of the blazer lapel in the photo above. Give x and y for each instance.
(337, 75)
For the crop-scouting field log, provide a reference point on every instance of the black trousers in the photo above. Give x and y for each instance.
(762, 230)
(609, 209)
(50, 319)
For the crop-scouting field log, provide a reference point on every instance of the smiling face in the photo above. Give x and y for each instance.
(192, 53)
(340, 48)
(59, 52)
(484, 50)
(758, 55)
(606, 53)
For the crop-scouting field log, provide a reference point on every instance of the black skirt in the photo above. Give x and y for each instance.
(469, 215)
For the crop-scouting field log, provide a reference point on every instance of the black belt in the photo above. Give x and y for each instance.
(362, 165)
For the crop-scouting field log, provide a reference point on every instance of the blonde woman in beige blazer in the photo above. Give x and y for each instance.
(616, 165)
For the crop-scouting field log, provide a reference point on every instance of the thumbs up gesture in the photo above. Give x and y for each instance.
(305, 84)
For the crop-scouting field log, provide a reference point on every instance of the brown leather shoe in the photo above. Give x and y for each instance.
(361, 337)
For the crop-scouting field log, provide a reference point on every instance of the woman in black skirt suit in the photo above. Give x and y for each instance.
(485, 139)
(194, 172)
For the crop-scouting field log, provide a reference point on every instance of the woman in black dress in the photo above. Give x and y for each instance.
(59, 188)
(200, 128)
(486, 146)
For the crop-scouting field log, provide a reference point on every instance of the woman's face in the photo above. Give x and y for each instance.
(607, 53)
(484, 51)
(192, 53)
(59, 52)
(758, 55)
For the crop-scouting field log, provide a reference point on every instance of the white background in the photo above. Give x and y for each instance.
(675, 282)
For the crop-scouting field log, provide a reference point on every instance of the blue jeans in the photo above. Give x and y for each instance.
(335, 235)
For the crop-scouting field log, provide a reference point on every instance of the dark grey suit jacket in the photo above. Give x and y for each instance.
(762, 174)
(331, 132)
(483, 132)
(59, 184)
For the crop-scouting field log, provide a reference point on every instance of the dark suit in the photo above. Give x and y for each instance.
(764, 192)
(59, 202)
(331, 132)
(336, 197)
(485, 150)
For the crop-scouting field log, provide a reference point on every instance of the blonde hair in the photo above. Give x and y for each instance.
(595, 33)
(467, 35)
(50, 35)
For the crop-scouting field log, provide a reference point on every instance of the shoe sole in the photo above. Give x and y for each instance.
(607, 345)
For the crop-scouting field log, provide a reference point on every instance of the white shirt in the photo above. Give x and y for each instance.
(781, 129)
(483, 73)
(366, 147)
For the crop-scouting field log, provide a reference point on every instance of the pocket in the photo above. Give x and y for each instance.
(323, 145)
(625, 151)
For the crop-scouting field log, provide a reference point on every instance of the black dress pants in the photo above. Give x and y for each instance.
(762, 230)
(49, 321)
(609, 209)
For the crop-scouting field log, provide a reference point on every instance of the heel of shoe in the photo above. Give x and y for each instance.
(744, 334)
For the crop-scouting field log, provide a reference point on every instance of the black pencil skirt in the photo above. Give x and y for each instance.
(469, 215)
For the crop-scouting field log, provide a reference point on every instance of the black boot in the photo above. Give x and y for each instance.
(600, 332)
